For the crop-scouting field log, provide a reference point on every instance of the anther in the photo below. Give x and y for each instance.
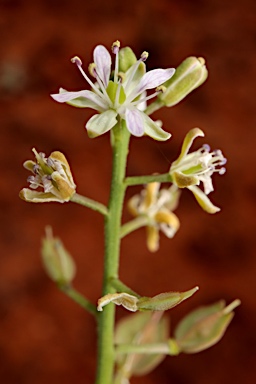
(161, 88)
(31, 179)
(222, 171)
(115, 47)
(36, 168)
(50, 162)
(92, 70)
(76, 60)
(144, 56)
(206, 147)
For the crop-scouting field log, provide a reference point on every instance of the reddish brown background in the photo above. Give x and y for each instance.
(46, 338)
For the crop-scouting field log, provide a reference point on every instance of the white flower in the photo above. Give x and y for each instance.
(118, 96)
(192, 168)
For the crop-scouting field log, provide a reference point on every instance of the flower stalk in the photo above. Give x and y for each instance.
(106, 352)
(89, 203)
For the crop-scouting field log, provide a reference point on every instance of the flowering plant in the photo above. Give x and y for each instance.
(138, 343)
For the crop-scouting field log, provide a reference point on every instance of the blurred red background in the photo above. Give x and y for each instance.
(45, 337)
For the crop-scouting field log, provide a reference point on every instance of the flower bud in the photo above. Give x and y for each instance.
(57, 261)
(189, 75)
(141, 329)
(203, 327)
(164, 301)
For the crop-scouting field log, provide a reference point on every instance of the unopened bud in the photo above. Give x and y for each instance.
(203, 327)
(57, 261)
(164, 301)
(189, 75)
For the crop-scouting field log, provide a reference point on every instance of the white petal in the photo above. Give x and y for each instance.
(134, 122)
(99, 124)
(102, 59)
(154, 130)
(203, 200)
(82, 99)
(154, 78)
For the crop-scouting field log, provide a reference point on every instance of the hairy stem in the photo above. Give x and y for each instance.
(79, 299)
(144, 349)
(132, 225)
(106, 352)
(86, 202)
(138, 180)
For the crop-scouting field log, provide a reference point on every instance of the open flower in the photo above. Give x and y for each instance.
(190, 169)
(156, 205)
(52, 175)
(118, 96)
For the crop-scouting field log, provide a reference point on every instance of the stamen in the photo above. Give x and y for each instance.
(115, 47)
(144, 98)
(50, 162)
(121, 76)
(218, 152)
(31, 179)
(115, 50)
(103, 89)
(36, 168)
(92, 70)
(222, 171)
(144, 56)
(223, 162)
(161, 88)
(76, 60)
(79, 66)
(206, 147)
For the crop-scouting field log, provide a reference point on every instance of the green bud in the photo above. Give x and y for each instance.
(140, 330)
(204, 327)
(57, 261)
(164, 301)
(189, 75)
(126, 59)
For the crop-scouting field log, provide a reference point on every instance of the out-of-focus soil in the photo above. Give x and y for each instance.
(46, 338)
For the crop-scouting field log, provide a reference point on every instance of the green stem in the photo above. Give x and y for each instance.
(138, 180)
(85, 201)
(121, 287)
(132, 225)
(144, 348)
(106, 352)
(79, 299)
